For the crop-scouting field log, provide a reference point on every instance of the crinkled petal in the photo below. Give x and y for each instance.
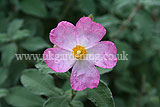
(89, 32)
(59, 60)
(84, 75)
(104, 54)
(64, 35)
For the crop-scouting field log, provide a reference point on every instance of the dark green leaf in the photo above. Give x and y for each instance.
(8, 53)
(42, 66)
(14, 26)
(20, 34)
(4, 38)
(33, 7)
(101, 96)
(21, 97)
(103, 70)
(15, 71)
(77, 104)
(3, 75)
(3, 92)
(39, 83)
(60, 101)
(34, 44)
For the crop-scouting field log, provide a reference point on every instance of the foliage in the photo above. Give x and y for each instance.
(24, 29)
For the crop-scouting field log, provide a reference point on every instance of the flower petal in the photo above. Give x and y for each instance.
(64, 35)
(104, 54)
(84, 75)
(58, 59)
(89, 32)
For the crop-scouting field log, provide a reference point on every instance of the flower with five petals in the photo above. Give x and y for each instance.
(80, 47)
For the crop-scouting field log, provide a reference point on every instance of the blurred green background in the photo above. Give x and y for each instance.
(133, 25)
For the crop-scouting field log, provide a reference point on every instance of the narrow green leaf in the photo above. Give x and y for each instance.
(14, 26)
(103, 70)
(33, 7)
(8, 53)
(101, 96)
(60, 101)
(34, 44)
(21, 97)
(39, 83)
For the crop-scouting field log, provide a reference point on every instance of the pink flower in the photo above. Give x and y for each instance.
(79, 46)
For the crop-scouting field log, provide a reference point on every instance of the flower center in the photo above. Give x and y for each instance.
(79, 52)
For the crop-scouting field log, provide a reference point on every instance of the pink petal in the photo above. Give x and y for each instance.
(84, 75)
(64, 35)
(105, 54)
(58, 59)
(89, 32)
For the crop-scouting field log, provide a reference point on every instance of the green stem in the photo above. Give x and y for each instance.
(72, 97)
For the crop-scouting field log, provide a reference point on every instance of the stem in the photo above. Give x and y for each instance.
(129, 19)
(72, 97)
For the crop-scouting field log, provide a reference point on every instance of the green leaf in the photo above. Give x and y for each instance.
(107, 20)
(34, 44)
(39, 83)
(64, 75)
(33, 7)
(21, 97)
(14, 26)
(60, 101)
(121, 3)
(3, 92)
(4, 38)
(150, 2)
(21, 34)
(3, 75)
(15, 71)
(42, 66)
(87, 6)
(8, 53)
(103, 70)
(101, 96)
(77, 104)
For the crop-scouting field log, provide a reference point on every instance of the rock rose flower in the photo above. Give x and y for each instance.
(82, 49)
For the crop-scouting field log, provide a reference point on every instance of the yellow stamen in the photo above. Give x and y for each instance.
(79, 52)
